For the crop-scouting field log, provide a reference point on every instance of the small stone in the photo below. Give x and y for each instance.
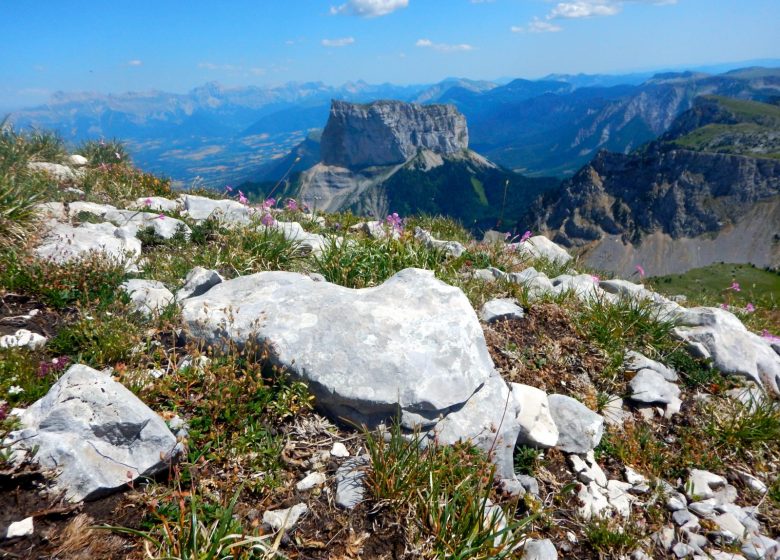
(640, 554)
(675, 502)
(501, 308)
(310, 481)
(702, 485)
(530, 484)
(23, 528)
(542, 549)
(704, 508)
(339, 450)
(285, 519)
(720, 555)
(682, 550)
(350, 489)
(751, 482)
(594, 502)
(728, 522)
(697, 541)
(684, 518)
(579, 428)
(760, 547)
(198, 281)
(664, 537)
(634, 478)
(23, 339)
(512, 487)
(619, 498)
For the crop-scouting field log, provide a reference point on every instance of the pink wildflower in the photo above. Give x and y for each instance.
(161, 217)
(735, 286)
(750, 308)
(526, 236)
(769, 336)
(228, 188)
(724, 306)
(269, 203)
(148, 201)
(640, 269)
(596, 279)
(267, 220)
(395, 221)
(291, 205)
(242, 199)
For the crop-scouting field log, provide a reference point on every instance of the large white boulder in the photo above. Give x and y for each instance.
(411, 345)
(65, 243)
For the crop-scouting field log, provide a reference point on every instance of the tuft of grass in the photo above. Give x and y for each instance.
(101, 152)
(745, 430)
(527, 459)
(120, 185)
(611, 538)
(361, 263)
(93, 279)
(447, 491)
(185, 525)
(441, 227)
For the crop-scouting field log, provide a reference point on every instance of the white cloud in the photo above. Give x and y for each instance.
(343, 42)
(369, 8)
(135, 62)
(443, 47)
(583, 9)
(537, 26)
(593, 8)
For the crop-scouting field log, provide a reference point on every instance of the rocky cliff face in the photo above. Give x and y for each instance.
(707, 191)
(390, 133)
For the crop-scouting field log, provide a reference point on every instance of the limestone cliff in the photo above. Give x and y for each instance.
(681, 202)
(390, 133)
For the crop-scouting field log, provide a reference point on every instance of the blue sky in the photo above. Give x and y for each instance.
(176, 45)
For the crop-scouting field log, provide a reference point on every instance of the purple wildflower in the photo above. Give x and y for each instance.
(769, 336)
(161, 216)
(724, 306)
(395, 221)
(148, 201)
(595, 278)
(269, 203)
(735, 286)
(267, 220)
(291, 205)
(750, 308)
(640, 269)
(228, 188)
(526, 236)
(242, 199)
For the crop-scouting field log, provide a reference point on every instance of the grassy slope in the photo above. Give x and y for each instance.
(755, 123)
(710, 285)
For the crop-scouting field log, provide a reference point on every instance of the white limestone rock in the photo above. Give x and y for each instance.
(285, 519)
(96, 433)
(579, 428)
(537, 427)
(499, 309)
(198, 281)
(23, 338)
(148, 297)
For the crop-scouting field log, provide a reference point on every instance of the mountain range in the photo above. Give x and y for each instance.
(213, 134)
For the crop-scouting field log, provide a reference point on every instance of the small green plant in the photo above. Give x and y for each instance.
(527, 459)
(747, 430)
(442, 227)
(447, 490)
(183, 525)
(98, 338)
(610, 538)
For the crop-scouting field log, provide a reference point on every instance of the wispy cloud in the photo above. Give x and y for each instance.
(369, 8)
(135, 62)
(537, 26)
(342, 42)
(595, 8)
(443, 47)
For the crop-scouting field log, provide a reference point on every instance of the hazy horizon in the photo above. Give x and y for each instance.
(151, 46)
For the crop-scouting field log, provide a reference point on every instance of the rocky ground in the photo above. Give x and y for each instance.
(200, 377)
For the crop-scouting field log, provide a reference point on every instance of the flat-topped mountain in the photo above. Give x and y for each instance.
(390, 132)
(707, 191)
(391, 156)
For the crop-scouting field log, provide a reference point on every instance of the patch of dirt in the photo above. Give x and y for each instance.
(63, 530)
(545, 351)
(23, 312)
